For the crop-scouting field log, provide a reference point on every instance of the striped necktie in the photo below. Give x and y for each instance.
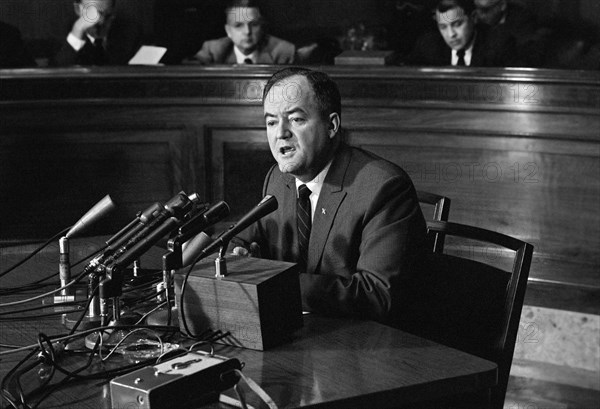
(304, 224)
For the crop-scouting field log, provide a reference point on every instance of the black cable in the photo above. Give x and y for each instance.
(182, 312)
(85, 308)
(3, 392)
(33, 253)
(38, 316)
(34, 285)
(43, 338)
(42, 307)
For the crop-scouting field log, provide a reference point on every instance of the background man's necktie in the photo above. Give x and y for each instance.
(304, 224)
(99, 53)
(461, 58)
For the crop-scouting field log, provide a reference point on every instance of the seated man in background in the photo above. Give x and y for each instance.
(98, 36)
(349, 218)
(506, 18)
(12, 50)
(459, 41)
(246, 41)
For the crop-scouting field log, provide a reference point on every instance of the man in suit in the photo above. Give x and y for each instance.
(13, 53)
(246, 41)
(459, 41)
(506, 18)
(358, 231)
(98, 36)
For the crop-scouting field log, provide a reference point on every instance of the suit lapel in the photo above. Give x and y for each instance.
(477, 52)
(332, 195)
(264, 53)
(231, 56)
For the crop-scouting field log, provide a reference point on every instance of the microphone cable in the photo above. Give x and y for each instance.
(35, 285)
(37, 250)
(49, 293)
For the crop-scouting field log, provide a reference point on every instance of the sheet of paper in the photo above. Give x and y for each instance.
(148, 55)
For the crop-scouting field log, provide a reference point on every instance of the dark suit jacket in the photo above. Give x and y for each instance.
(273, 50)
(530, 39)
(366, 240)
(488, 51)
(12, 50)
(123, 41)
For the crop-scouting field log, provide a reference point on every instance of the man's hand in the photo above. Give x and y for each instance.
(254, 251)
(90, 17)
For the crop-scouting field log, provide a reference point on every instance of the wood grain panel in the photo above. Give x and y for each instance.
(48, 182)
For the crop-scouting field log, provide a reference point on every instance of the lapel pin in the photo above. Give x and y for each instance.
(323, 210)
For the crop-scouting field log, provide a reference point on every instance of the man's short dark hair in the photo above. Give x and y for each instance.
(326, 90)
(242, 3)
(114, 2)
(442, 6)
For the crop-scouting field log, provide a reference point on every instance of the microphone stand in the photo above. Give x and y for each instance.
(173, 259)
(72, 293)
(112, 275)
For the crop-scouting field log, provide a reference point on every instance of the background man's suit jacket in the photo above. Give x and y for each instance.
(488, 51)
(12, 50)
(366, 239)
(273, 50)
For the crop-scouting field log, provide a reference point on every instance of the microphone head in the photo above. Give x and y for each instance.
(267, 205)
(99, 210)
(193, 248)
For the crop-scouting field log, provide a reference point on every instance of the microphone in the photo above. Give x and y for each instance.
(267, 205)
(195, 244)
(151, 219)
(193, 248)
(99, 210)
(203, 220)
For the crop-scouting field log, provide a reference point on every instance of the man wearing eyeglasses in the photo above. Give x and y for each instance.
(98, 36)
(246, 41)
(505, 18)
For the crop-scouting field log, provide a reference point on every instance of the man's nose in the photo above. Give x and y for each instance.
(283, 131)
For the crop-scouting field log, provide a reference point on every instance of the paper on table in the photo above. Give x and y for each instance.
(148, 55)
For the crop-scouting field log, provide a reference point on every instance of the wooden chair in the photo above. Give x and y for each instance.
(468, 304)
(441, 210)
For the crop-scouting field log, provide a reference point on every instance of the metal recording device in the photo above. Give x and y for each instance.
(191, 380)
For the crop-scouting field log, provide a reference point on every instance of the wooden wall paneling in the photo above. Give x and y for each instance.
(240, 159)
(514, 186)
(50, 180)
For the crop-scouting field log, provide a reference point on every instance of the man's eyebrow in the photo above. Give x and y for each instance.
(288, 112)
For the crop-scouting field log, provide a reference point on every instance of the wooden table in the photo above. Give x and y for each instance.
(330, 363)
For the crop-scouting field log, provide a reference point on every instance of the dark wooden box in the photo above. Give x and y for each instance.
(258, 301)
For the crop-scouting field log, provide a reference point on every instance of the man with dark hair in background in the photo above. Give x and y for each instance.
(246, 41)
(349, 218)
(13, 53)
(98, 36)
(507, 18)
(459, 41)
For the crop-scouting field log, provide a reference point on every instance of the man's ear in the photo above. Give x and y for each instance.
(227, 29)
(77, 8)
(334, 124)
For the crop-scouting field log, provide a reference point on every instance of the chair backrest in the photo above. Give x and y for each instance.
(441, 210)
(468, 304)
